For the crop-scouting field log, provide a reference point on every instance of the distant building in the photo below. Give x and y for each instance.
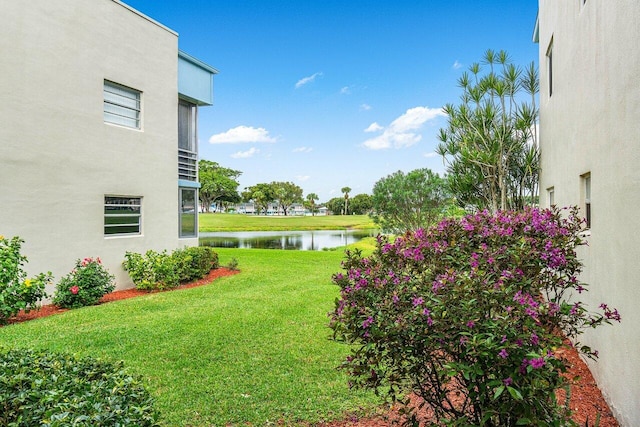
(590, 157)
(98, 152)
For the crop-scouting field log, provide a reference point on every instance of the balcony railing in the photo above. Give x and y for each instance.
(187, 165)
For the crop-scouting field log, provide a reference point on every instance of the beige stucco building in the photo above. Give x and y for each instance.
(590, 157)
(97, 133)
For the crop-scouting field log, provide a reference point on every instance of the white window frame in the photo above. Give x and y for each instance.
(116, 222)
(187, 141)
(586, 197)
(549, 56)
(122, 105)
(551, 195)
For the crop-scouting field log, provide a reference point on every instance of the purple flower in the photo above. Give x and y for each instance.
(537, 362)
(507, 381)
(368, 322)
(503, 340)
(471, 324)
(418, 301)
(534, 339)
(503, 353)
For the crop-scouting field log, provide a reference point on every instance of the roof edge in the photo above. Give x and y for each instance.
(196, 61)
(143, 16)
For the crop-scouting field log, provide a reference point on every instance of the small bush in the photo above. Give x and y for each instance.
(233, 264)
(85, 285)
(160, 270)
(195, 262)
(467, 315)
(45, 388)
(153, 270)
(16, 291)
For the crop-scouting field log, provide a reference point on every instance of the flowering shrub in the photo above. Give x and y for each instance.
(39, 388)
(468, 315)
(17, 292)
(85, 285)
(161, 270)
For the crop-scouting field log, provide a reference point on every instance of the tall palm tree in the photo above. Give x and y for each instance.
(311, 201)
(346, 191)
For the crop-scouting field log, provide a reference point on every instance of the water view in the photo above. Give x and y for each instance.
(312, 240)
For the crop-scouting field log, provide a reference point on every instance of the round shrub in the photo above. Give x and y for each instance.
(195, 262)
(44, 388)
(85, 285)
(469, 315)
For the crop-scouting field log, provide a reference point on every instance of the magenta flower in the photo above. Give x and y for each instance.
(503, 353)
(537, 362)
(507, 381)
(368, 322)
(74, 290)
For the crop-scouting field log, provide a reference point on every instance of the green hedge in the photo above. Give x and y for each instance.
(41, 388)
(161, 270)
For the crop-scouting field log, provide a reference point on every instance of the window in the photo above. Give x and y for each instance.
(551, 196)
(187, 147)
(550, 66)
(188, 212)
(122, 215)
(586, 183)
(121, 105)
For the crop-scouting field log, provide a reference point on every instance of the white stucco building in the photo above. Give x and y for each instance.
(590, 157)
(98, 132)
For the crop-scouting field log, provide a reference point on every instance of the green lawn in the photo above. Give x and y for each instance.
(241, 222)
(250, 349)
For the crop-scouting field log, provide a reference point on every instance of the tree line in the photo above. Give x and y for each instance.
(489, 147)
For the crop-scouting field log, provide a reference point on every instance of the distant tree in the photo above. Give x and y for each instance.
(335, 205)
(261, 195)
(218, 184)
(311, 203)
(361, 204)
(490, 143)
(286, 193)
(346, 191)
(408, 202)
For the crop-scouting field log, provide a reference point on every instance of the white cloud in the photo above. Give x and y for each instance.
(401, 132)
(345, 90)
(365, 107)
(456, 65)
(245, 154)
(303, 177)
(431, 155)
(374, 127)
(242, 134)
(302, 150)
(303, 81)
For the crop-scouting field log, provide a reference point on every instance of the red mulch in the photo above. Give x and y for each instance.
(586, 400)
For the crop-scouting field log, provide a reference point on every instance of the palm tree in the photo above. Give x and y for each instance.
(311, 201)
(346, 191)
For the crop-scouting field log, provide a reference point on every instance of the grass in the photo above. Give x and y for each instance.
(241, 222)
(250, 349)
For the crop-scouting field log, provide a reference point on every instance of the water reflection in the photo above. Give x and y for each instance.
(291, 240)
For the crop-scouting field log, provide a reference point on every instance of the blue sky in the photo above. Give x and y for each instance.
(336, 93)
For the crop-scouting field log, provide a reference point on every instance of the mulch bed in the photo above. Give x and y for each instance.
(586, 400)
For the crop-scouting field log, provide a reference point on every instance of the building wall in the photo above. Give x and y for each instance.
(58, 159)
(590, 125)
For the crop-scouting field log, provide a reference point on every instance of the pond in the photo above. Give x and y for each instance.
(311, 240)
